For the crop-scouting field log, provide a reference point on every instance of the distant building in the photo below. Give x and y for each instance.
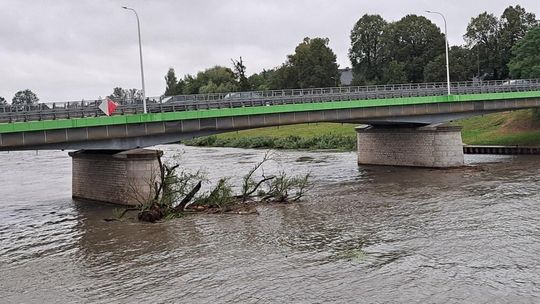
(346, 76)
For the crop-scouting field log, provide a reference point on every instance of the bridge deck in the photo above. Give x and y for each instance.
(84, 114)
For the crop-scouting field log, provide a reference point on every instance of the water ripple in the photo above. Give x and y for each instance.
(368, 234)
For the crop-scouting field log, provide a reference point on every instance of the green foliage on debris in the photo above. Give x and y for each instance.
(174, 192)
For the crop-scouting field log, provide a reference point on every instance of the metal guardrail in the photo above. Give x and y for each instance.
(89, 108)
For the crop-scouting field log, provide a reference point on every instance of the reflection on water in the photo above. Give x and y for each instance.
(368, 234)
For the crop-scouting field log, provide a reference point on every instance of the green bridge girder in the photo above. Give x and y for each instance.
(271, 109)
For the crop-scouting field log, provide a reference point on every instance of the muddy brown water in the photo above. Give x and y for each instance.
(363, 235)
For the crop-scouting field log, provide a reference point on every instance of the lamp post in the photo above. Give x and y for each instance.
(446, 47)
(140, 56)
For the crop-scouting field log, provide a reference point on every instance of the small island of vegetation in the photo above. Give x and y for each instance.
(175, 192)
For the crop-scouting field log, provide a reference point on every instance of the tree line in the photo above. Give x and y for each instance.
(313, 64)
(28, 98)
(410, 50)
(21, 98)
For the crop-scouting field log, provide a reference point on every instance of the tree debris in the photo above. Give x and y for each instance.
(176, 192)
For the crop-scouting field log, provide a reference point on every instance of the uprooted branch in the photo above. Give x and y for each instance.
(176, 191)
(255, 188)
(249, 186)
(186, 200)
(284, 188)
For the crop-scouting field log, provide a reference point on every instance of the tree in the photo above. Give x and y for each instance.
(240, 75)
(482, 37)
(3, 101)
(526, 60)
(394, 73)
(24, 98)
(172, 85)
(133, 95)
(514, 24)
(435, 70)
(117, 95)
(191, 85)
(492, 39)
(312, 65)
(217, 79)
(413, 41)
(462, 67)
(462, 61)
(284, 77)
(261, 81)
(366, 49)
(126, 96)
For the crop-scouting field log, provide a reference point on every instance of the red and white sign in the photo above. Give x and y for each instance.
(108, 106)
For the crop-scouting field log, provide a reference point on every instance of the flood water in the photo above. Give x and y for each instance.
(363, 235)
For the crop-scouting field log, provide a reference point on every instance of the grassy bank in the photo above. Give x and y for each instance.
(508, 128)
(305, 136)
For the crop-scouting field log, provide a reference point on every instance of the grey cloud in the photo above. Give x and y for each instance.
(69, 50)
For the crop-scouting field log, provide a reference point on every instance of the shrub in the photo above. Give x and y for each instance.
(321, 142)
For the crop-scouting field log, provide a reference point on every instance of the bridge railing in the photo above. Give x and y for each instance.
(375, 91)
(89, 108)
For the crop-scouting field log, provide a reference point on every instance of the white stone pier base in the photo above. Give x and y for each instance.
(435, 147)
(116, 177)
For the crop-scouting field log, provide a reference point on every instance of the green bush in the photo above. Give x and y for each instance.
(322, 142)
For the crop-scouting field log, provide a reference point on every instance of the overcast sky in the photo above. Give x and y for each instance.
(70, 50)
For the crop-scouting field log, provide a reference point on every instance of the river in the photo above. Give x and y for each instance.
(362, 235)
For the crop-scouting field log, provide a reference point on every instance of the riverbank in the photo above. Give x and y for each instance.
(507, 128)
(520, 128)
(320, 136)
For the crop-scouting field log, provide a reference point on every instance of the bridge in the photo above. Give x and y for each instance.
(405, 119)
(81, 125)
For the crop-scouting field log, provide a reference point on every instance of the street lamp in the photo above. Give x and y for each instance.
(446, 38)
(140, 55)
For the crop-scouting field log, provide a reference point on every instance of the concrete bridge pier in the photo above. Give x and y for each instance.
(430, 146)
(113, 176)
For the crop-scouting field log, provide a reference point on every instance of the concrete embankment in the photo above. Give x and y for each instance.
(502, 150)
